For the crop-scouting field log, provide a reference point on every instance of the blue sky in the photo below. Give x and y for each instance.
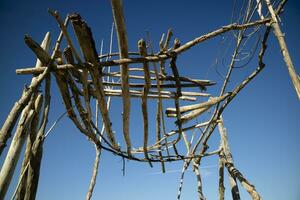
(262, 122)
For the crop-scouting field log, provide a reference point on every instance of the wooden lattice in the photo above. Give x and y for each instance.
(80, 80)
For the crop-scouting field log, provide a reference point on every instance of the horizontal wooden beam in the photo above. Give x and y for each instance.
(164, 56)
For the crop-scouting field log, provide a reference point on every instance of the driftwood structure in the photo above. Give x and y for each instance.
(83, 77)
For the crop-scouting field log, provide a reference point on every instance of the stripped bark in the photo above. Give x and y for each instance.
(20, 192)
(227, 154)
(159, 107)
(178, 91)
(143, 52)
(139, 94)
(94, 175)
(209, 103)
(10, 121)
(117, 9)
(181, 49)
(284, 50)
(37, 149)
(184, 168)
(199, 181)
(87, 45)
(221, 179)
(15, 148)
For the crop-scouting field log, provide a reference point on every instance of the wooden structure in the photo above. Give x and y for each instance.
(83, 76)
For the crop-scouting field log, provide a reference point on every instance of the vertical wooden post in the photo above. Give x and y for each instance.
(117, 8)
(33, 131)
(226, 153)
(284, 50)
(15, 148)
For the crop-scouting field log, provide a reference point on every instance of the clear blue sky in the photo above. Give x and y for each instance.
(262, 122)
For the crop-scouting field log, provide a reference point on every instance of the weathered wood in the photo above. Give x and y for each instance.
(30, 140)
(94, 175)
(196, 109)
(199, 181)
(166, 135)
(15, 148)
(159, 57)
(165, 85)
(87, 45)
(117, 10)
(143, 52)
(60, 79)
(233, 172)
(159, 107)
(226, 153)
(178, 92)
(284, 50)
(10, 121)
(209, 103)
(63, 28)
(138, 94)
(221, 179)
(36, 152)
(20, 192)
(162, 92)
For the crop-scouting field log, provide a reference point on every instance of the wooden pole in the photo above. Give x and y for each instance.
(226, 153)
(87, 45)
(117, 9)
(143, 52)
(33, 131)
(15, 148)
(284, 50)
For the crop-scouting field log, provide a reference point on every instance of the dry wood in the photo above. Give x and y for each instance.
(191, 115)
(117, 10)
(166, 135)
(226, 153)
(233, 172)
(165, 85)
(212, 125)
(20, 192)
(81, 76)
(95, 172)
(209, 103)
(158, 57)
(88, 49)
(199, 181)
(60, 79)
(15, 148)
(85, 79)
(159, 107)
(138, 94)
(63, 28)
(10, 121)
(178, 92)
(109, 55)
(184, 168)
(37, 148)
(162, 92)
(284, 50)
(221, 179)
(168, 39)
(143, 52)
(87, 45)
